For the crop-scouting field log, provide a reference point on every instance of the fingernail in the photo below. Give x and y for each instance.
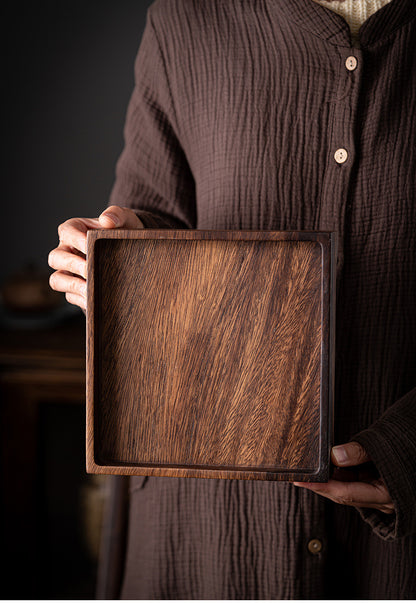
(340, 454)
(112, 217)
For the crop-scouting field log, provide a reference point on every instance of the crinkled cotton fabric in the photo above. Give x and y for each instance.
(237, 113)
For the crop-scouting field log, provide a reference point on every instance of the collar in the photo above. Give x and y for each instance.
(330, 26)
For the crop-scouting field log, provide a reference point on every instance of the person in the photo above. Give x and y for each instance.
(265, 115)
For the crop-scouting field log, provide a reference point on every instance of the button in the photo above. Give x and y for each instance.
(340, 155)
(315, 546)
(351, 63)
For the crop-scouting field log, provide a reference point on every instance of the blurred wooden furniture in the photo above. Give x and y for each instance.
(38, 367)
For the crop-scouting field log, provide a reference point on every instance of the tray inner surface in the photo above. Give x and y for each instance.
(208, 353)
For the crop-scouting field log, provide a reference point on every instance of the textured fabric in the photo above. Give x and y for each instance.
(238, 109)
(355, 12)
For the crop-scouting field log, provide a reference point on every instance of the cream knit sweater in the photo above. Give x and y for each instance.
(355, 12)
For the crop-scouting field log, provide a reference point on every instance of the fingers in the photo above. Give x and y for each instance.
(366, 492)
(68, 283)
(349, 455)
(357, 494)
(77, 300)
(66, 259)
(119, 217)
(370, 493)
(73, 232)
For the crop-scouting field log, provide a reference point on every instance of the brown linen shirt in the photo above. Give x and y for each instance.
(238, 111)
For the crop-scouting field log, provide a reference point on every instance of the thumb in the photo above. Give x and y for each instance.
(348, 455)
(119, 217)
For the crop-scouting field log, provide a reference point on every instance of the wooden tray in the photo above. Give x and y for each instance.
(210, 353)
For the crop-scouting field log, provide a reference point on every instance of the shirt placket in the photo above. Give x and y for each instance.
(336, 206)
(342, 153)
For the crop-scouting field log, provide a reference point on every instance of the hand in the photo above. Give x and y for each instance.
(355, 480)
(68, 259)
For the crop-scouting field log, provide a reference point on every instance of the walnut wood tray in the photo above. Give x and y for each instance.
(210, 353)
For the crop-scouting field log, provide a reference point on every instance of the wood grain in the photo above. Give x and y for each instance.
(209, 353)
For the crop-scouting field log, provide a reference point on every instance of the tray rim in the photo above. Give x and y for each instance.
(328, 242)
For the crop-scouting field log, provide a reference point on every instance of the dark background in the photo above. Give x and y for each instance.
(67, 78)
(69, 73)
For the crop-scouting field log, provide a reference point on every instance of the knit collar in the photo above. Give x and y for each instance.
(327, 24)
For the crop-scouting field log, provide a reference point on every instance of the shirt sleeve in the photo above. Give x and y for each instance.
(153, 176)
(391, 444)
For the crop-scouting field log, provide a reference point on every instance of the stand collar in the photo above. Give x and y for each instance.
(330, 26)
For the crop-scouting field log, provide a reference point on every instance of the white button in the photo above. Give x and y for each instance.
(351, 63)
(340, 155)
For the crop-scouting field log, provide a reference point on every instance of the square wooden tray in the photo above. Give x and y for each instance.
(210, 353)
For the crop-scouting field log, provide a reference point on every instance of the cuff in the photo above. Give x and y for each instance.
(391, 445)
